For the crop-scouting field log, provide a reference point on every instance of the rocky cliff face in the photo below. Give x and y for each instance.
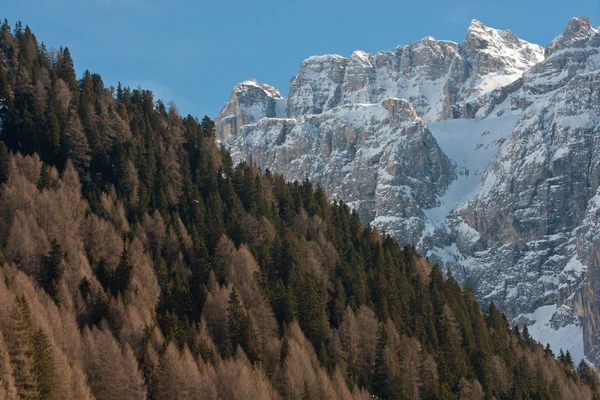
(491, 165)
(536, 207)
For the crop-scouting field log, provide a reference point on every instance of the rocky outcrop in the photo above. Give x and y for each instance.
(433, 75)
(318, 86)
(249, 102)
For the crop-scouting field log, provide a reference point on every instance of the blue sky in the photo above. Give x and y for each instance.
(193, 52)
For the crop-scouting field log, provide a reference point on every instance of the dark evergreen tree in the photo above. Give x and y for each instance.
(43, 179)
(4, 163)
(20, 342)
(285, 348)
(240, 328)
(43, 365)
(569, 360)
(526, 336)
(122, 274)
(561, 356)
(548, 350)
(380, 381)
(66, 70)
(52, 270)
(386, 382)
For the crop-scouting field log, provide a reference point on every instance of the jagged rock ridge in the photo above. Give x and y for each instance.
(434, 75)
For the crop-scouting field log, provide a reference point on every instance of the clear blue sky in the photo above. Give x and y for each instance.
(193, 52)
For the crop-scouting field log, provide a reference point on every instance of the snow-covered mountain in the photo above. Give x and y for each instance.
(434, 75)
(491, 164)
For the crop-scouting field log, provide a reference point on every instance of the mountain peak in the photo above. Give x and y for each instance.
(490, 50)
(577, 33)
(249, 102)
(253, 84)
(361, 55)
(488, 58)
(477, 28)
(577, 24)
(251, 81)
(578, 28)
(476, 24)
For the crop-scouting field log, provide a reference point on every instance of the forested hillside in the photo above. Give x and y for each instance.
(138, 262)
